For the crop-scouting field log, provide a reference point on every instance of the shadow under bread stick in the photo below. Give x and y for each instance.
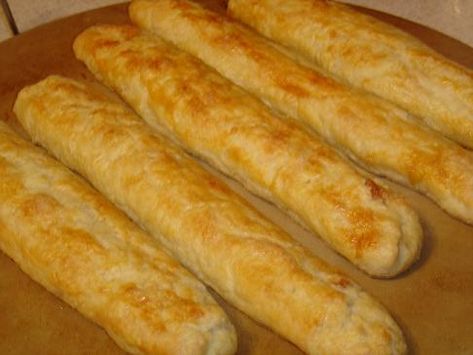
(249, 261)
(209, 116)
(372, 55)
(75, 243)
(373, 132)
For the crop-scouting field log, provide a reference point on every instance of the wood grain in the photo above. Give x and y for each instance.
(432, 302)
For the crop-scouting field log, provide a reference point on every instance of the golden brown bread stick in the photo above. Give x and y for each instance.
(214, 119)
(371, 55)
(74, 242)
(220, 237)
(376, 134)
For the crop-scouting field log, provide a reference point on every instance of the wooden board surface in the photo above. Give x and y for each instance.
(433, 302)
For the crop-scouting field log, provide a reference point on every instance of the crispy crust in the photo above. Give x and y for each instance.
(371, 55)
(74, 242)
(219, 236)
(371, 131)
(190, 103)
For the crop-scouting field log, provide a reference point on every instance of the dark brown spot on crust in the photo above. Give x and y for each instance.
(281, 136)
(377, 192)
(293, 89)
(217, 185)
(343, 283)
(320, 80)
(106, 43)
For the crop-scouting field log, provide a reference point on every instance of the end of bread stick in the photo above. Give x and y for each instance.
(390, 262)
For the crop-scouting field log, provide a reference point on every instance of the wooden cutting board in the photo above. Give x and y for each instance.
(433, 302)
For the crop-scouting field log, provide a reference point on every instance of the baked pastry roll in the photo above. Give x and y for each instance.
(210, 117)
(249, 261)
(371, 55)
(376, 134)
(74, 242)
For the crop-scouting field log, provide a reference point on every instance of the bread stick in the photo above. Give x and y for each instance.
(74, 242)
